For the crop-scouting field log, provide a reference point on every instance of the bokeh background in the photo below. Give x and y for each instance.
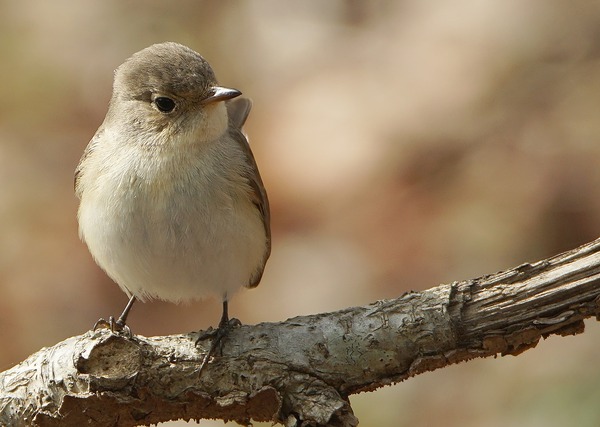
(404, 144)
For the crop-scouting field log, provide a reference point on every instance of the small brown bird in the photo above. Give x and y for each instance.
(172, 204)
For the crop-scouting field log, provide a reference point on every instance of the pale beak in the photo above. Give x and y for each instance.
(218, 93)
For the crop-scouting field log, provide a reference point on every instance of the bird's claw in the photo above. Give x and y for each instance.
(217, 336)
(116, 326)
(212, 332)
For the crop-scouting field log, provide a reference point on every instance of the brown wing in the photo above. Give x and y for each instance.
(90, 147)
(238, 110)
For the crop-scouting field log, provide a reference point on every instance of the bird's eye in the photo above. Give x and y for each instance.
(164, 104)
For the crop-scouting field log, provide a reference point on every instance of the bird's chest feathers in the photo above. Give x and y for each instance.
(167, 201)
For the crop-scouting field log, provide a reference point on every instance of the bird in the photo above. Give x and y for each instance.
(172, 205)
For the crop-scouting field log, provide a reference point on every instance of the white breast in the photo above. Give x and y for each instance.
(172, 227)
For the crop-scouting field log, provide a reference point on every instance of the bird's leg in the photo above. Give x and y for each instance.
(225, 315)
(224, 326)
(118, 325)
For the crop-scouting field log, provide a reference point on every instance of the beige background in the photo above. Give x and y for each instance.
(403, 143)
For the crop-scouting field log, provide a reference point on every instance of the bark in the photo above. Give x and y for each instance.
(301, 371)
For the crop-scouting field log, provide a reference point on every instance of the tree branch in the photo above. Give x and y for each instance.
(301, 371)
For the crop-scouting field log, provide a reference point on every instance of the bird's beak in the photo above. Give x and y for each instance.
(218, 93)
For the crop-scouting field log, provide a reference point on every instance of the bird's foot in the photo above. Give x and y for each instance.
(217, 336)
(117, 326)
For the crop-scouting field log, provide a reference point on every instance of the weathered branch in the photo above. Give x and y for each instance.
(301, 371)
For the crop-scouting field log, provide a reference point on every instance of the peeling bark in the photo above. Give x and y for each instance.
(300, 372)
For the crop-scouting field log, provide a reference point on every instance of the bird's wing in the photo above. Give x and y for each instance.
(86, 153)
(238, 110)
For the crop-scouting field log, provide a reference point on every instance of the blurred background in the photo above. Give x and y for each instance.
(404, 144)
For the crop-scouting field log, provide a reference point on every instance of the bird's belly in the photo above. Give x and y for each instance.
(175, 247)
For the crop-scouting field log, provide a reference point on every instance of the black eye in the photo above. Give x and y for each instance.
(164, 104)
